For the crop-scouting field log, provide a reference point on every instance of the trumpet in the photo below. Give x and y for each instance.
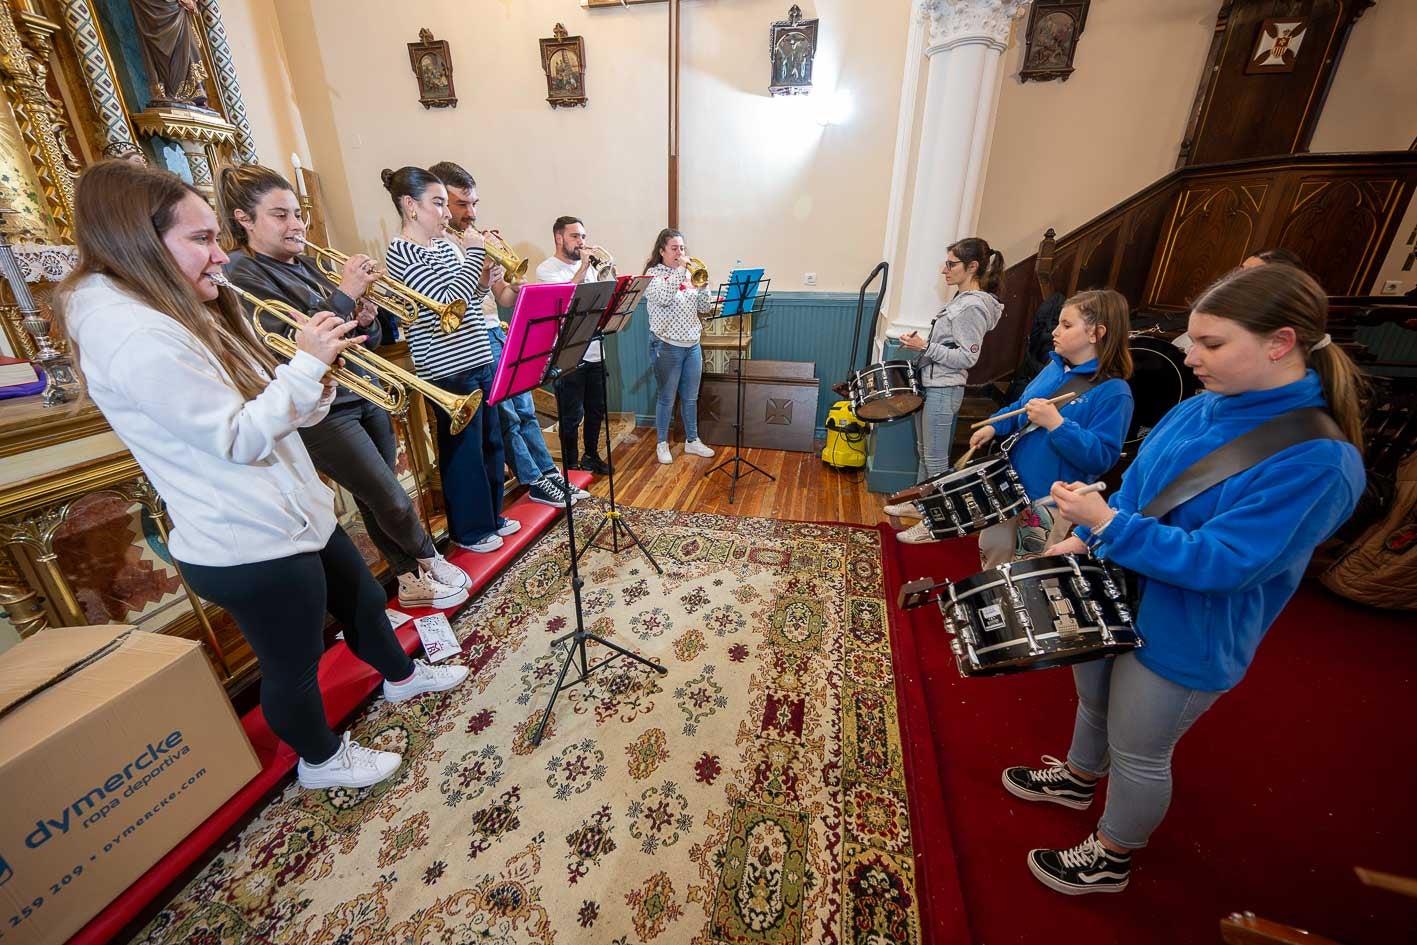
(698, 273)
(389, 294)
(500, 252)
(600, 260)
(393, 397)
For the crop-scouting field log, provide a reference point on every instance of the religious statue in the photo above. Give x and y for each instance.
(173, 52)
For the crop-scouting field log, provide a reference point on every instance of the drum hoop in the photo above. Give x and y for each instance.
(1045, 572)
(1040, 637)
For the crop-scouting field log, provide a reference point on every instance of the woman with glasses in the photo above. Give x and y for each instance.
(951, 346)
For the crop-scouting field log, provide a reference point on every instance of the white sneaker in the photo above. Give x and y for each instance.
(353, 766)
(577, 493)
(444, 571)
(903, 510)
(917, 534)
(662, 453)
(421, 590)
(508, 526)
(698, 448)
(490, 543)
(426, 678)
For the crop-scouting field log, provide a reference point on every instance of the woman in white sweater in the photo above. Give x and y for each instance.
(674, 309)
(210, 417)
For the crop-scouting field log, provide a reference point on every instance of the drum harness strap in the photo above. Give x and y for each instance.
(1075, 384)
(1244, 452)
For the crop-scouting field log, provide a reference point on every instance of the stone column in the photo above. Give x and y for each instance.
(962, 57)
(965, 51)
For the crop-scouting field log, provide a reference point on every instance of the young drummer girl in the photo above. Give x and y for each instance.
(1216, 570)
(1078, 440)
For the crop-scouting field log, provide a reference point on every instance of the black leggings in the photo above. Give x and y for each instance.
(280, 607)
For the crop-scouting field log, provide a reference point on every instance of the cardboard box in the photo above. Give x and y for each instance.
(114, 745)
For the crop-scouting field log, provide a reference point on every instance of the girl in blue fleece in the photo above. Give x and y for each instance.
(1082, 440)
(1216, 570)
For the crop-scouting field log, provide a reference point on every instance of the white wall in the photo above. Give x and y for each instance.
(1064, 152)
(761, 180)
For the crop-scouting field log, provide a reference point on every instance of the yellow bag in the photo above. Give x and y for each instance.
(846, 438)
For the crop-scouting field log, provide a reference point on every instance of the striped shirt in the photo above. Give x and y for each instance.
(442, 273)
(674, 306)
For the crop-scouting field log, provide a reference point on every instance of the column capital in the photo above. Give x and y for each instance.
(969, 22)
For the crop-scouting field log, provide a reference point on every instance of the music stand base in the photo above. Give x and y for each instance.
(576, 648)
(617, 522)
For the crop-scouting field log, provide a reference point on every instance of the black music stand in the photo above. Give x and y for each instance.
(628, 292)
(579, 324)
(737, 303)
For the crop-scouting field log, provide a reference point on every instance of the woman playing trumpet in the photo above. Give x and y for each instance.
(208, 414)
(424, 258)
(674, 309)
(354, 445)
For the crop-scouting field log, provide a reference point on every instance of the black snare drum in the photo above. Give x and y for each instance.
(885, 390)
(1038, 613)
(970, 500)
(1035, 614)
(1160, 380)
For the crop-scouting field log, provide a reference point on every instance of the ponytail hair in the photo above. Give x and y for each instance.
(1108, 309)
(991, 262)
(407, 181)
(1266, 298)
(242, 186)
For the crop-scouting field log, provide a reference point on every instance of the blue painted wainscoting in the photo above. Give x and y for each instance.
(793, 326)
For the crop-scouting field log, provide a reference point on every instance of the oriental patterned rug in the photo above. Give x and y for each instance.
(754, 794)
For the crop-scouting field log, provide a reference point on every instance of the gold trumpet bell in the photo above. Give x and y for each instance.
(698, 273)
(461, 410)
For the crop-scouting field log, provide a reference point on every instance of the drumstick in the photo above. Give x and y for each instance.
(1056, 402)
(1095, 487)
(964, 460)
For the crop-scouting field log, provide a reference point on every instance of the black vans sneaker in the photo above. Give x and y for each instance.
(1087, 868)
(546, 492)
(1054, 783)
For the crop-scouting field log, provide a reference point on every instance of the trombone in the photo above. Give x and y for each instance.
(601, 261)
(389, 294)
(500, 252)
(393, 398)
(698, 273)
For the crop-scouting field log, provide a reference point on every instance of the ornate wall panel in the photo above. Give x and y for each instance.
(1334, 226)
(1211, 230)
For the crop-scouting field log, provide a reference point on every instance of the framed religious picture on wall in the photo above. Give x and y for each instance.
(1277, 45)
(792, 45)
(563, 61)
(1051, 39)
(432, 64)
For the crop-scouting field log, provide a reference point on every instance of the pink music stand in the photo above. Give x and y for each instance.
(531, 338)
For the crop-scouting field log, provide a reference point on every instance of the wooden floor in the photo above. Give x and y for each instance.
(804, 489)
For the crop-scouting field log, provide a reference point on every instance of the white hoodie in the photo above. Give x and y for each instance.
(238, 484)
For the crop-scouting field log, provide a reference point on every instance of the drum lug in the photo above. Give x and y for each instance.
(993, 495)
(1020, 609)
(1095, 608)
(960, 530)
(1081, 585)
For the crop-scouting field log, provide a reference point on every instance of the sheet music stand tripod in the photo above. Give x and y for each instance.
(736, 304)
(579, 324)
(622, 306)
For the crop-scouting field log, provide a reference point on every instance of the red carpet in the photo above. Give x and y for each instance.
(345, 682)
(1304, 771)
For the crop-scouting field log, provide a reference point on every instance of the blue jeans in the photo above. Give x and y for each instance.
(1130, 719)
(473, 464)
(935, 430)
(678, 370)
(521, 432)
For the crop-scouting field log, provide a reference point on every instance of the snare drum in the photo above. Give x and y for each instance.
(970, 500)
(1160, 380)
(1038, 613)
(885, 391)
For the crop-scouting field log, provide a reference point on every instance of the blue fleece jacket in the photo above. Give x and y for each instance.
(1085, 446)
(1217, 570)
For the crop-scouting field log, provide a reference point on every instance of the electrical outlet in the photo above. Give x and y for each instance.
(1392, 287)
(809, 278)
